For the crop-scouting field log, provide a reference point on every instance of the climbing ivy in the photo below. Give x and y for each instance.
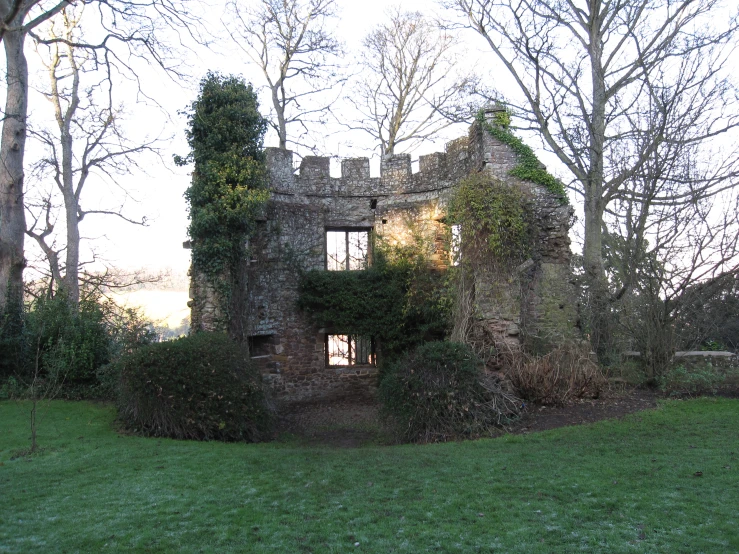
(401, 300)
(225, 135)
(529, 167)
(495, 220)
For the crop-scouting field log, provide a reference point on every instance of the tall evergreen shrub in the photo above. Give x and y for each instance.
(225, 133)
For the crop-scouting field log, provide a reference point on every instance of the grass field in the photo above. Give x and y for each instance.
(615, 486)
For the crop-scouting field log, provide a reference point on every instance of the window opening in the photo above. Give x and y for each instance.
(456, 247)
(260, 345)
(349, 350)
(347, 250)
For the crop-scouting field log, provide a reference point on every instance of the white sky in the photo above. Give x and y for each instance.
(157, 190)
(159, 187)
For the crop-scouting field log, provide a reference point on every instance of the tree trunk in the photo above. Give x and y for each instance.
(34, 443)
(71, 206)
(280, 111)
(600, 321)
(593, 240)
(12, 148)
(71, 276)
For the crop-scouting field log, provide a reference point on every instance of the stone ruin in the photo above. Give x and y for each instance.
(309, 213)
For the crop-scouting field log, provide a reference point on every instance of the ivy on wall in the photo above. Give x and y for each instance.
(497, 228)
(495, 220)
(225, 135)
(529, 167)
(401, 300)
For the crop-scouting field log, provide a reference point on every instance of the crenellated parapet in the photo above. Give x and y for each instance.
(313, 176)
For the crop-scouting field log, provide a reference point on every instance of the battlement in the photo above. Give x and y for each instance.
(436, 171)
(313, 176)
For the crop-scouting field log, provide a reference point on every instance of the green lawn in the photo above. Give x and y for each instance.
(625, 486)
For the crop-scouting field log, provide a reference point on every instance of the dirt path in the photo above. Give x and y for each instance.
(350, 424)
(613, 404)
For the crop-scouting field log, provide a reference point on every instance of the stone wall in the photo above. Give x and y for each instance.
(534, 305)
(206, 313)
(304, 203)
(696, 359)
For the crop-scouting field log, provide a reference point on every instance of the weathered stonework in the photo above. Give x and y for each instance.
(205, 308)
(535, 305)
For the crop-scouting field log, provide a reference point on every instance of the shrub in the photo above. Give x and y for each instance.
(695, 380)
(65, 349)
(10, 389)
(11, 341)
(198, 387)
(439, 392)
(70, 345)
(566, 373)
(128, 329)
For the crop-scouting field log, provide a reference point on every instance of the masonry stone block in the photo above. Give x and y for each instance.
(356, 168)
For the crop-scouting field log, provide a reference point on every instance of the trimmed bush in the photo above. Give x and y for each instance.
(199, 387)
(439, 392)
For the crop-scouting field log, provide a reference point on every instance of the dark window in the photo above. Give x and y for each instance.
(260, 345)
(349, 350)
(347, 249)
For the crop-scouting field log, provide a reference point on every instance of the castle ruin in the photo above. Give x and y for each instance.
(315, 221)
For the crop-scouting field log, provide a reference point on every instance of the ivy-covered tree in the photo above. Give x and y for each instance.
(225, 134)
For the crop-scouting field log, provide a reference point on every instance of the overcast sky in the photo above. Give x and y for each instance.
(156, 191)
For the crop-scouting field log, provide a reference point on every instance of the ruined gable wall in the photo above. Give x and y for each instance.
(536, 305)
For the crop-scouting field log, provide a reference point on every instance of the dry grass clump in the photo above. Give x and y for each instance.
(567, 373)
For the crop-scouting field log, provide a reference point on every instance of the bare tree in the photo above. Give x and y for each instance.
(688, 253)
(609, 85)
(88, 141)
(130, 30)
(709, 317)
(14, 15)
(660, 253)
(406, 82)
(290, 42)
